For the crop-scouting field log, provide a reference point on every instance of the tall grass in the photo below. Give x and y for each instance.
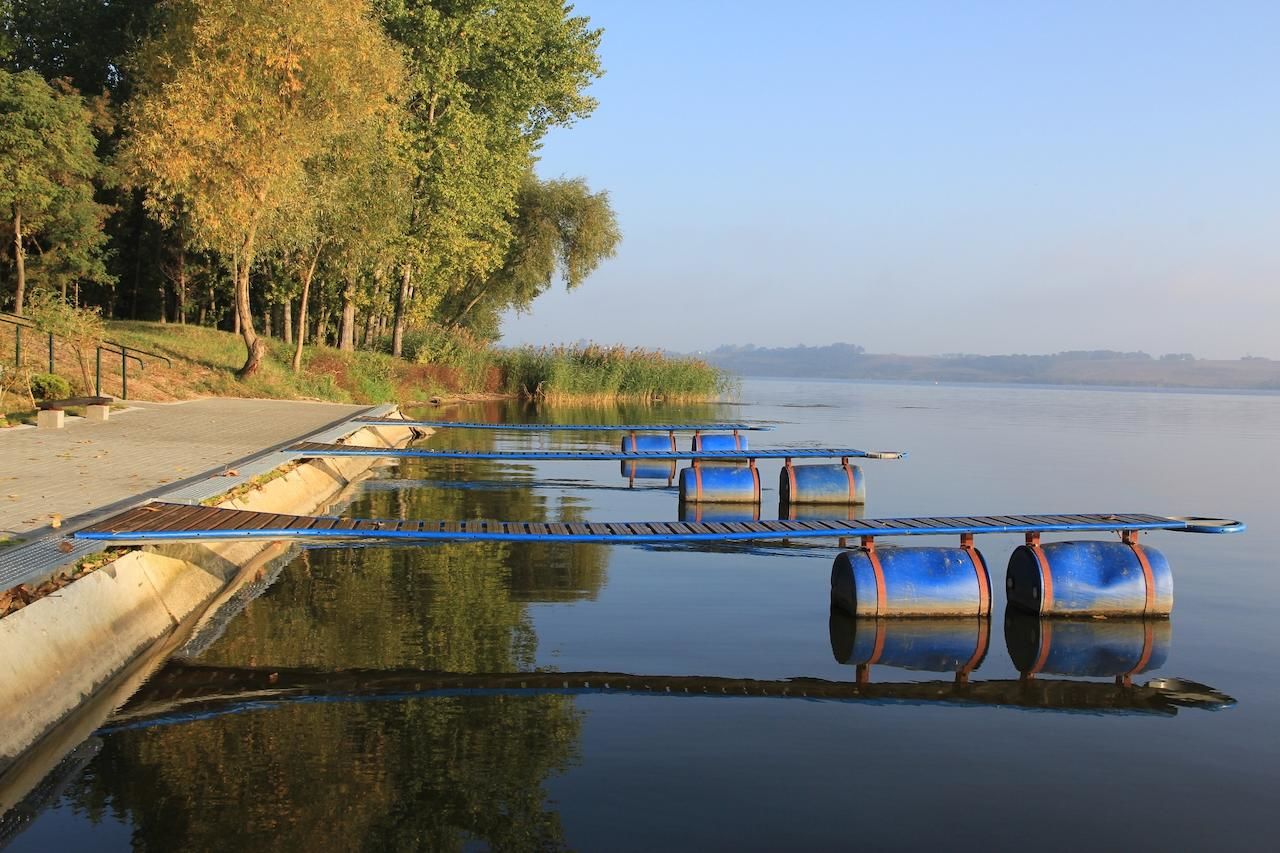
(614, 372)
(438, 362)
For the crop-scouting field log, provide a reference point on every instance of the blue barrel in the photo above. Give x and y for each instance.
(924, 645)
(719, 441)
(890, 581)
(820, 512)
(649, 469)
(822, 484)
(720, 484)
(648, 441)
(718, 513)
(1086, 648)
(1090, 578)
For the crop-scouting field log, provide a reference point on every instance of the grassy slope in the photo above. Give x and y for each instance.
(205, 360)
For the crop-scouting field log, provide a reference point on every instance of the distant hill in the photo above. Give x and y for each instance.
(1092, 367)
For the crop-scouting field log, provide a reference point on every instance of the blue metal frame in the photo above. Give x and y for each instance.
(569, 427)
(756, 531)
(319, 450)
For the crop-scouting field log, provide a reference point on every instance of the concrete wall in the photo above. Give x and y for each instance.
(89, 644)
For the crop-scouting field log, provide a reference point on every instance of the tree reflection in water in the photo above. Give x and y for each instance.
(414, 773)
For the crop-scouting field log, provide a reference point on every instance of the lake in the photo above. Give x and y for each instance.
(376, 755)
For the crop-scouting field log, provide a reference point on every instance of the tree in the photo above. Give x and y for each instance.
(234, 97)
(560, 228)
(47, 167)
(488, 80)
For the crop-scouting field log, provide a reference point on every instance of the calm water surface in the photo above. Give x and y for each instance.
(374, 759)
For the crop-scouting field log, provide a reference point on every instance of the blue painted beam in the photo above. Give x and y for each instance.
(173, 522)
(316, 449)
(568, 427)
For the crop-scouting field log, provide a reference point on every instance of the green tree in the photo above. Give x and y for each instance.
(47, 167)
(234, 97)
(488, 80)
(560, 228)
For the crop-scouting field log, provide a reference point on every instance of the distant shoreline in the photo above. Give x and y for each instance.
(1094, 369)
(1037, 386)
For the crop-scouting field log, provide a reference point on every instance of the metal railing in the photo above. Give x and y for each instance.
(110, 347)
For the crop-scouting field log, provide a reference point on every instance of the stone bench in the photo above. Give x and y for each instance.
(51, 414)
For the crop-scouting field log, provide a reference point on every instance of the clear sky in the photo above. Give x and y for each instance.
(931, 177)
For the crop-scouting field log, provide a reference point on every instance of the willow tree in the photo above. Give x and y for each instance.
(47, 168)
(488, 80)
(561, 230)
(233, 98)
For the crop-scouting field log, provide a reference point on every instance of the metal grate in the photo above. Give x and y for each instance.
(166, 522)
(312, 448)
(571, 427)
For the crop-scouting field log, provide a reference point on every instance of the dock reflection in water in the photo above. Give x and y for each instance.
(1038, 647)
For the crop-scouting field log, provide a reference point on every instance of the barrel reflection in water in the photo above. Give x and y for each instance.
(926, 645)
(718, 513)
(649, 469)
(1118, 648)
(820, 512)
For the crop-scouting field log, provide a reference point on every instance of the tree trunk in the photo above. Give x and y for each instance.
(347, 334)
(20, 259)
(254, 347)
(288, 321)
(402, 305)
(457, 319)
(181, 286)
(267, 316)
(307, 275)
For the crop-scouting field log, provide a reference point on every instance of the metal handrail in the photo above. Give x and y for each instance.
(16, 320)
(19, 323)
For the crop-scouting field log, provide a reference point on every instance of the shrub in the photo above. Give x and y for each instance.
(50, 386)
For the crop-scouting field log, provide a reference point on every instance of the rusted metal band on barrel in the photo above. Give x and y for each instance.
(791, 479)
(755, 482)
(672, 436)
(697, 483)
(980, 570)
(853, 485)
(1046, 576)
(869, 545)
(1148, 577)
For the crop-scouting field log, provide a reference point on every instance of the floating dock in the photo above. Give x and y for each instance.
(158, 521)
(570, 427)
(318, 449)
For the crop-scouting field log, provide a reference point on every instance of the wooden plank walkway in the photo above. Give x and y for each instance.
(570, 427)
(318, 449)
(159, 521)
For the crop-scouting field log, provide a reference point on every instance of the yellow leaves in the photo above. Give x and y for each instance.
(233, 106)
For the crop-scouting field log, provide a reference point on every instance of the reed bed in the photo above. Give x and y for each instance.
(595, 372)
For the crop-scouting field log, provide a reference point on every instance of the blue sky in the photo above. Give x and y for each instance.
(926, 177)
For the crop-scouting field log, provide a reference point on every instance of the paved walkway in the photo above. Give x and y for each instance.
(86, 467)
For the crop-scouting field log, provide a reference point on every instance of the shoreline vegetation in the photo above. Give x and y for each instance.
(436, 365)
(1104, 368)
